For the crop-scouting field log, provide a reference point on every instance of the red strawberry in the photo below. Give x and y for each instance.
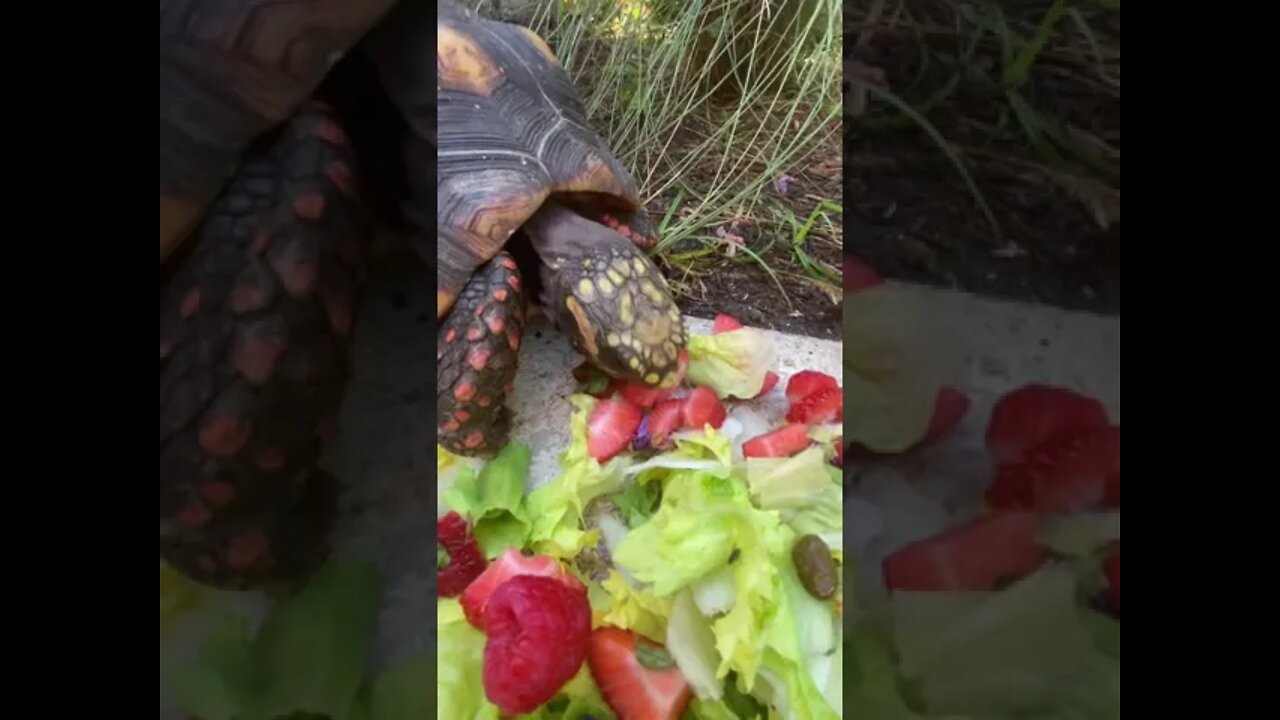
(840, 451)
(806, 382)
(663, 420)
(816, 408)
(948, 410)
(1069, 472)
(858, 275)
(702, 407)
(1112, 568)
(1031, 414)
(506, 566)
(980, 555)
(1111, 498)
(636, 676)
(725, 323)
(770, 381)
(538, 632)
(783, 442)
(466, 561)
(642, 395)
(610, 427)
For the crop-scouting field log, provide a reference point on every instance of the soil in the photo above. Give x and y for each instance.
(786, 297)
(909, 212)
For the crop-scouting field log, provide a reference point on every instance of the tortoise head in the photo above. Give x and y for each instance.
(608, 296)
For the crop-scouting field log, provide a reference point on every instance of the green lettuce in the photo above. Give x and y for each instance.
(733, 364)
(460, 679)
(494, 500)
(1002, 652)
(871, 676)
(895, 364)
(556, 509)
(398, 693)
(308, 657)
(803, 490)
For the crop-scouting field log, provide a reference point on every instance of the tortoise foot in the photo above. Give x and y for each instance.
(254, 328)
(476, 350)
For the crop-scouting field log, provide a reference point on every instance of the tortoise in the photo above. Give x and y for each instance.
(268, 200)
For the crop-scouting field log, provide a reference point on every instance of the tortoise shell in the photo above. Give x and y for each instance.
(512, 131)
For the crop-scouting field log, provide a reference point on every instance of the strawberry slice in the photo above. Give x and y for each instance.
(1111, 566)
(1026, 417)
(1069, 472)
(611, 426)
(807, 382)
(1111, 498)
(948, 410)
(784, 442)
(506, 566)
(637, 677)
(725, 323)
(858, 275)
(818, 407)
(770, 381)
(642, 395)
(980, 555)
(663, 420)
(702, 407)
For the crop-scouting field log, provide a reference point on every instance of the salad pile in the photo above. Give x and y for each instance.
(1002, 602)
(685, 562)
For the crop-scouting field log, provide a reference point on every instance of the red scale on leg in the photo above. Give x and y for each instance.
(309, 206)
(479, 357)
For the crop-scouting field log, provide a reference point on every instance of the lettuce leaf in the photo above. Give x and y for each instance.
(555, 509)
(993, 652)
(732, 364)
(308, 657)
(895, 363)
(398, 693)
(802, 489)
(871, 676)
(494, 500)
(636, 609)
(460, 680)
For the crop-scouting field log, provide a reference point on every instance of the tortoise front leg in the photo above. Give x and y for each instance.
(254, 328)
(477, 350)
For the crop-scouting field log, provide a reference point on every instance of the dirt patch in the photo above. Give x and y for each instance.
(770, 279)
(1053, 232)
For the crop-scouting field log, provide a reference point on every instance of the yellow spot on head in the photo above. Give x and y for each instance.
(586, 332)
(634, 362)
(612, 340)
(626, 338)
(586, 264)
(621, 266)
(614, 276)
(636, 344)
(654, 330)
(586, 290)
(605, 286)
(652, 378)
(639, 265)
(669, 382)
(669, 348)
(624, 309)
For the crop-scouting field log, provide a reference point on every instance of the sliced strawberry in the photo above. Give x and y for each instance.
(807, 382)
(1111, 498)
(506, 566)
(725, 323)
(858, 275)
(700, 408)
(1069, 472)
(610, 427)
(642, 395)
(663, 420)
(818, 407)
(784, 442)
(636, 676)
(948, 410)
(1031, 414)
(770, 381)
(980, 555)
(1111, 566)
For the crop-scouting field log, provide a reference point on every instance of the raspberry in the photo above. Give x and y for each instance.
(466, 562)
(539, 630)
